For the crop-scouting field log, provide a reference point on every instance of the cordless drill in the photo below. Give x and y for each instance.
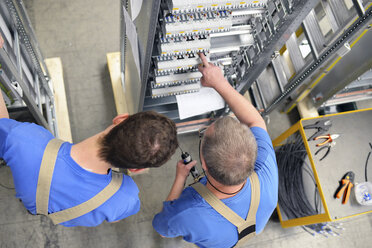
(186, 157)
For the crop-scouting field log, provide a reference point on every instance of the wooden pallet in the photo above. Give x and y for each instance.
(113, 62)
(56, 75)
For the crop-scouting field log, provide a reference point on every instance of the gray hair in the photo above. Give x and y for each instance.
(229, 151)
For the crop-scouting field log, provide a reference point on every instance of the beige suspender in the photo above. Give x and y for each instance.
(45, 175)
(246, 228)
(44, 183)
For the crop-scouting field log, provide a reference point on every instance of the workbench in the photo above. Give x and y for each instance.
(348, 154)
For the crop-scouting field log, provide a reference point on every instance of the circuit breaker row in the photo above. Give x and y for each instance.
(231, 34)
(197, 5)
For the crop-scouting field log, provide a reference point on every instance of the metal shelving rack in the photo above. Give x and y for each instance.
(293, 43)
(321, 57)
(24, 77)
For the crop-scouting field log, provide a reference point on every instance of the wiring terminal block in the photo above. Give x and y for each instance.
(175, 90)
(182, 6)
(174, 78)
(179, 63)
(230, 33)
(184, 45)
(197, 23)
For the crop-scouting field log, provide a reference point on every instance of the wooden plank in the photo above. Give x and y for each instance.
(306, 108)
(113, 62)
(63, 121)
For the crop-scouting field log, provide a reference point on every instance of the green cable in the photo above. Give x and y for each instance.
(7, 93)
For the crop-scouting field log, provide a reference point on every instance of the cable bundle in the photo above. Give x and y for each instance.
(293, 200)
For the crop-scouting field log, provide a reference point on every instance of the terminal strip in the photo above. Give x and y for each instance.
(197, 23)
(184, 45)
(175, 90)
(178, 64)
(182, 6)
(174, 83)
(173, 78)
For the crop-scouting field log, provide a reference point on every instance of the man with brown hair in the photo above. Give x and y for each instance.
(82, 171)
(238, 194)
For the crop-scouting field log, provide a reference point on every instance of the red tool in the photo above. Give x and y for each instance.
(329, 138)
(347, 182)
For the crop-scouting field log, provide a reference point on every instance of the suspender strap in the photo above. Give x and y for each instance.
(91, 204)
(218, 205)
(249, 227)
(45, 175)
(255, 197)
(44, 183)
(245, 227)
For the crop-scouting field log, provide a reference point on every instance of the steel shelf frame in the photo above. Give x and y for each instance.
(294, 18)
(24, 75)
(310, 69)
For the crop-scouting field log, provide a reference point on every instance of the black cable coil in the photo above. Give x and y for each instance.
(293, 201)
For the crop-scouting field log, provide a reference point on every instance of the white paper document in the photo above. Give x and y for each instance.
(136, 7)
(204, 101)
(131, 32)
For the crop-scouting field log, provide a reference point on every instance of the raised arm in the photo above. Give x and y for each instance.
(242, 108)
(3, 110)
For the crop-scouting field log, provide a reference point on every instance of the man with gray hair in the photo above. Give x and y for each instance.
(240, 190)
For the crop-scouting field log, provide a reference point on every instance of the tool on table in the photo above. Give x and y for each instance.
(329, 138)
(322, 126)
(347, 182)
(328, 147)
(186, 157)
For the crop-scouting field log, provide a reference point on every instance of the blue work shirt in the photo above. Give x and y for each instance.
(193, 218)
(22, 146)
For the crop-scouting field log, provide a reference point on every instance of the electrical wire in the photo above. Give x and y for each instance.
(6, 187)
(365, 169)
(2, 164)
(293, 201)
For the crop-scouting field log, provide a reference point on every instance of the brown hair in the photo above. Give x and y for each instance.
(229, 151)
(146, 139)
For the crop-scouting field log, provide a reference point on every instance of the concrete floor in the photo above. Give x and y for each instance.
(81, 33)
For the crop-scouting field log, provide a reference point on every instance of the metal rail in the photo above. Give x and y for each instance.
(299, 79)
(290, 24)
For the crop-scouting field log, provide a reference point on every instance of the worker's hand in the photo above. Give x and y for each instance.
(1, 41)
(212, 75)
(183, 170)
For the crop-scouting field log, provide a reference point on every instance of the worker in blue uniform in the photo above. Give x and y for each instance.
(240, 172)
(74, 184)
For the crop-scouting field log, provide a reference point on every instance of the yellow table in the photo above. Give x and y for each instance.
(349, 154)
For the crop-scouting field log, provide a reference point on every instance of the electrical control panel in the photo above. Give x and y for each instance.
(241, 37)
(230, 33)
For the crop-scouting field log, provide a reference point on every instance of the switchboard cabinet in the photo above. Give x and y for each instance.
(267, 47)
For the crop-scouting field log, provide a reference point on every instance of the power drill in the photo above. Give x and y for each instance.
(186, 157)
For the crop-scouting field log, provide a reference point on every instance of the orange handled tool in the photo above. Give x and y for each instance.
(344, 184)
(347, 194)
(347, 183)
(329, 138)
